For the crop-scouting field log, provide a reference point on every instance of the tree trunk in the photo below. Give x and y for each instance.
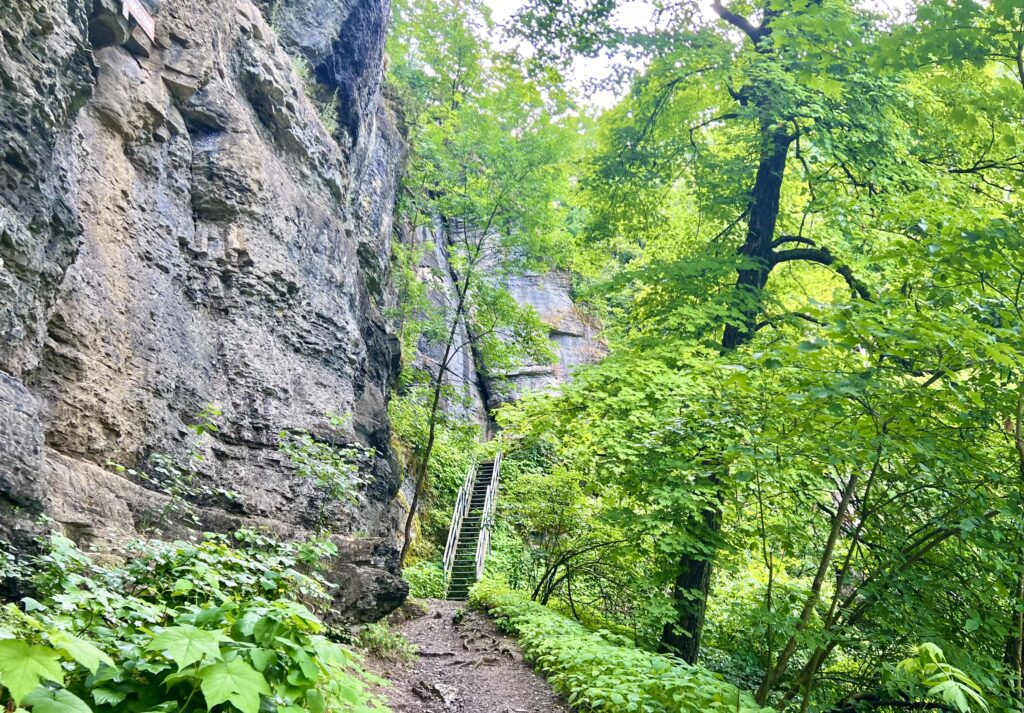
(435, 406)
(1015, 644)
(694, 580)
(1015, 641)
(764, 214)
(691, 591)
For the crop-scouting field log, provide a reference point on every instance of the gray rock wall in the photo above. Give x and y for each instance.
(177, 228)
(464, 375)
(575, 336)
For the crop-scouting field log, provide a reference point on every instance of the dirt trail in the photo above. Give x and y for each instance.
(465, 666)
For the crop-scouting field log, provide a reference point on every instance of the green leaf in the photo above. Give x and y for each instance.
(263, 659)
(315, 702)
(23, 667)
(80, 650)
(108, 696)
(186, 644)
(47, 700)
(234, 681)
(32, 605)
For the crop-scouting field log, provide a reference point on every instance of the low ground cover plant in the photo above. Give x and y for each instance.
(228, 624)
(599, 671)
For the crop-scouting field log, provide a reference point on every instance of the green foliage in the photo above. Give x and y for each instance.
(383, 643)
(806, 176)
(456, 440)
(332, 466)
(926, 676)
(426, 579)
(600, 672)
(801, 226)
(206, 420)
(222, 625)
(484, 198)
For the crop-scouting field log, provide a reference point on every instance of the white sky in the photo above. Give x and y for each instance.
(634, 14)
(630, 14)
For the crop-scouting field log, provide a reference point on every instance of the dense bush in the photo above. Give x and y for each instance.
(177, 627)
(383, 643)
(426, 580)
(601, 671)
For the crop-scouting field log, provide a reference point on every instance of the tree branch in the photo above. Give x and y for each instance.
(822, 256)
(793, 239)
(772, 321)
(756, 34)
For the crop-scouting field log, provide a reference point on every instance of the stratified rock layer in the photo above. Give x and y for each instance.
(177, 229)
(575, 336)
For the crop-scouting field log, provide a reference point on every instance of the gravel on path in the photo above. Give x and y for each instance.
(464, 666)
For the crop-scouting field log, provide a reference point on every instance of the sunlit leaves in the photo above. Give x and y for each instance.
(23, 667)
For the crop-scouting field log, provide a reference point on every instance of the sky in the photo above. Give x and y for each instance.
(634, 14)
(631, 14)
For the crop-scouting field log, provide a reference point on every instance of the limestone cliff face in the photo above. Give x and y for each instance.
(575, 337)
(177, 228)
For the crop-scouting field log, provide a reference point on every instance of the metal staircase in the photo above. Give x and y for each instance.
(469, 537)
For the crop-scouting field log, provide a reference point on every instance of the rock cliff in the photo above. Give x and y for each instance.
(575, 336)
(202, 221)
(177, 229)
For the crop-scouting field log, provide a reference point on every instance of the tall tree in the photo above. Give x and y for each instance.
(780, 139)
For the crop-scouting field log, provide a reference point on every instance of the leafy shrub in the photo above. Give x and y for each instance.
(455, 445)
(927, 676)
(332, 466)
(602, 672)
(178, 627)
(383, 643)
(426, 580)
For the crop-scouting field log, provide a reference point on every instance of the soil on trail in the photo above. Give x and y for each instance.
(465, 666)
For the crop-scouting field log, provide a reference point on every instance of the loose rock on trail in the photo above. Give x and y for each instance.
(465, 666)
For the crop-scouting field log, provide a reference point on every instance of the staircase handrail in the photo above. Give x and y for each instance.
(483, 543)
(459, 513)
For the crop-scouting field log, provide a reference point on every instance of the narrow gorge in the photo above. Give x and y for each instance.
(201, 221)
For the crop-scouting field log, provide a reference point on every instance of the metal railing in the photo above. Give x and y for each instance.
(458, 515)
(483, 543)
(461, 510)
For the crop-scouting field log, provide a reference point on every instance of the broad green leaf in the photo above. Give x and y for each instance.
(24, 667)
(47, 700)
(185, 644)
(263, 659)
(233, 681)
(85, 653)
(108, 696)
(315, 702)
